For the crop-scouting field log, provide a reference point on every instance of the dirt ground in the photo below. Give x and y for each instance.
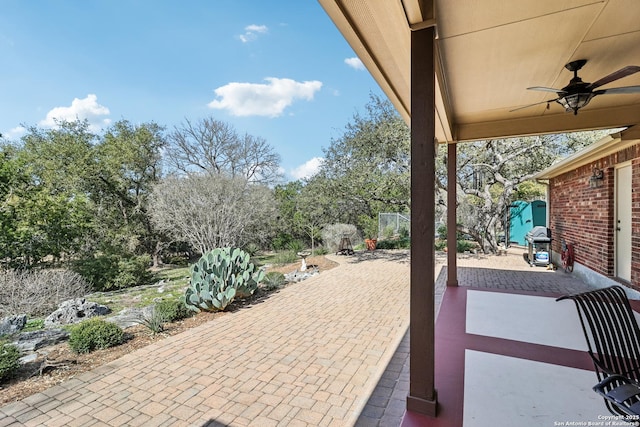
(66, 364)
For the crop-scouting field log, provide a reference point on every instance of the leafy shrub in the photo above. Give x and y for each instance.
(95, 334)
(38, 292)
(252, 249)
(385, 244)
(218, 277)
(285, 257)
(113, 271)
(281, 241)
(132, 272)
(403, 232)
(333, 234)
(404, 243)
(321, 250)
(388, 232)
(178, 260)
(9, 360)
(273, 280)
(465, 245)
(33, 325)
(441, 244)
(393, 244)
(295, 246)
(172, 310)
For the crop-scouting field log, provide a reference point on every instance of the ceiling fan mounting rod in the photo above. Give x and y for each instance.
(575, 65)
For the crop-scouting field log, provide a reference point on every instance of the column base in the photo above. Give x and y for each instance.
(423, 406)
(452, 283)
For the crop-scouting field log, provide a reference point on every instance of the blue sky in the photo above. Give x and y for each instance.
(276, 69)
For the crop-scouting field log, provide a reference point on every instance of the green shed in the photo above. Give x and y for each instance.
(523, 216)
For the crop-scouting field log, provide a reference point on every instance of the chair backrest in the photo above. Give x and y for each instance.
(611, 331)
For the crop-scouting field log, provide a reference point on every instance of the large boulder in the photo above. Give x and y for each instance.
(31, 341)
(75, 311)
(131, 316)
(12, 324)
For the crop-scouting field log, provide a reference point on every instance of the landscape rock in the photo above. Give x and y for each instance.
(129, 316)
(298, 276)
(28, 342)
(29, 358)
(12, 324)
(74, 311)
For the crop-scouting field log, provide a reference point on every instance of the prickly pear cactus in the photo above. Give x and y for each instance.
(219, 277)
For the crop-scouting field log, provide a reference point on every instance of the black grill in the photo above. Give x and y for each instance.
(539, 234)
(539, 239)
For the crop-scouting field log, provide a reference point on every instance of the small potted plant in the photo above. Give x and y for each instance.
(371, 244)
(371, 233)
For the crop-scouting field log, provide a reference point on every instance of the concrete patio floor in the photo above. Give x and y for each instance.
(329, 351)
(506, 352)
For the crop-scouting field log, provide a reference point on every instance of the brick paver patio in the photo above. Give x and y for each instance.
(309, 355)
(329, 351)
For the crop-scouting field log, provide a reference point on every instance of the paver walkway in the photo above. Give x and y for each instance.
(309, 355)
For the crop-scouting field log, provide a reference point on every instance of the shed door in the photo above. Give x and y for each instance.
(623, 222)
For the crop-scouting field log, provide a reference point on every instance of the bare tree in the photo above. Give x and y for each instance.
(491, 172)
(38, 292)
(214, 147)
(211, 211)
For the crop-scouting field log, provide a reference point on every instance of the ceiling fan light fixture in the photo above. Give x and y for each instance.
(575, 101)
(577, 93)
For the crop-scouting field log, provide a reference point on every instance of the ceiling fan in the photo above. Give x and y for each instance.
(577, 93)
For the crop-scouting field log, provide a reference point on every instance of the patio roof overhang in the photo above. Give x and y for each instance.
(489, 51)
(463, 67)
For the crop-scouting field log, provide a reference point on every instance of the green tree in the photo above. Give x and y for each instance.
(367, 169)
(287, 198)
(68, 193)
(128, 164)
(45, 209)
(60, 160)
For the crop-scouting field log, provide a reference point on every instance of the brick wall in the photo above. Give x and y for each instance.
(584, 216)
(635, 222)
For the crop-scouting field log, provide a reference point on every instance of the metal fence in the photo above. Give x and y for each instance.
(393, 224)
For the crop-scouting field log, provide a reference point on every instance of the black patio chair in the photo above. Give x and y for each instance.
(613, 341)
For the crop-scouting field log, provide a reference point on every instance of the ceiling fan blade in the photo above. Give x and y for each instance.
(546, 89)
(531, 105)
(622, 72)
(615, 90)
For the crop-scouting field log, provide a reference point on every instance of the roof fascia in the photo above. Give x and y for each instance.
(608, 145)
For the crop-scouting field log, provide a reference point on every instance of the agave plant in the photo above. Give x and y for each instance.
(219, 277)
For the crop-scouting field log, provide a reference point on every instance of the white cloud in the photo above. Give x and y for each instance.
(307, 169)
(251, 32)
(354, 63)
(80, 109)
(16, 132)
(263, 99)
